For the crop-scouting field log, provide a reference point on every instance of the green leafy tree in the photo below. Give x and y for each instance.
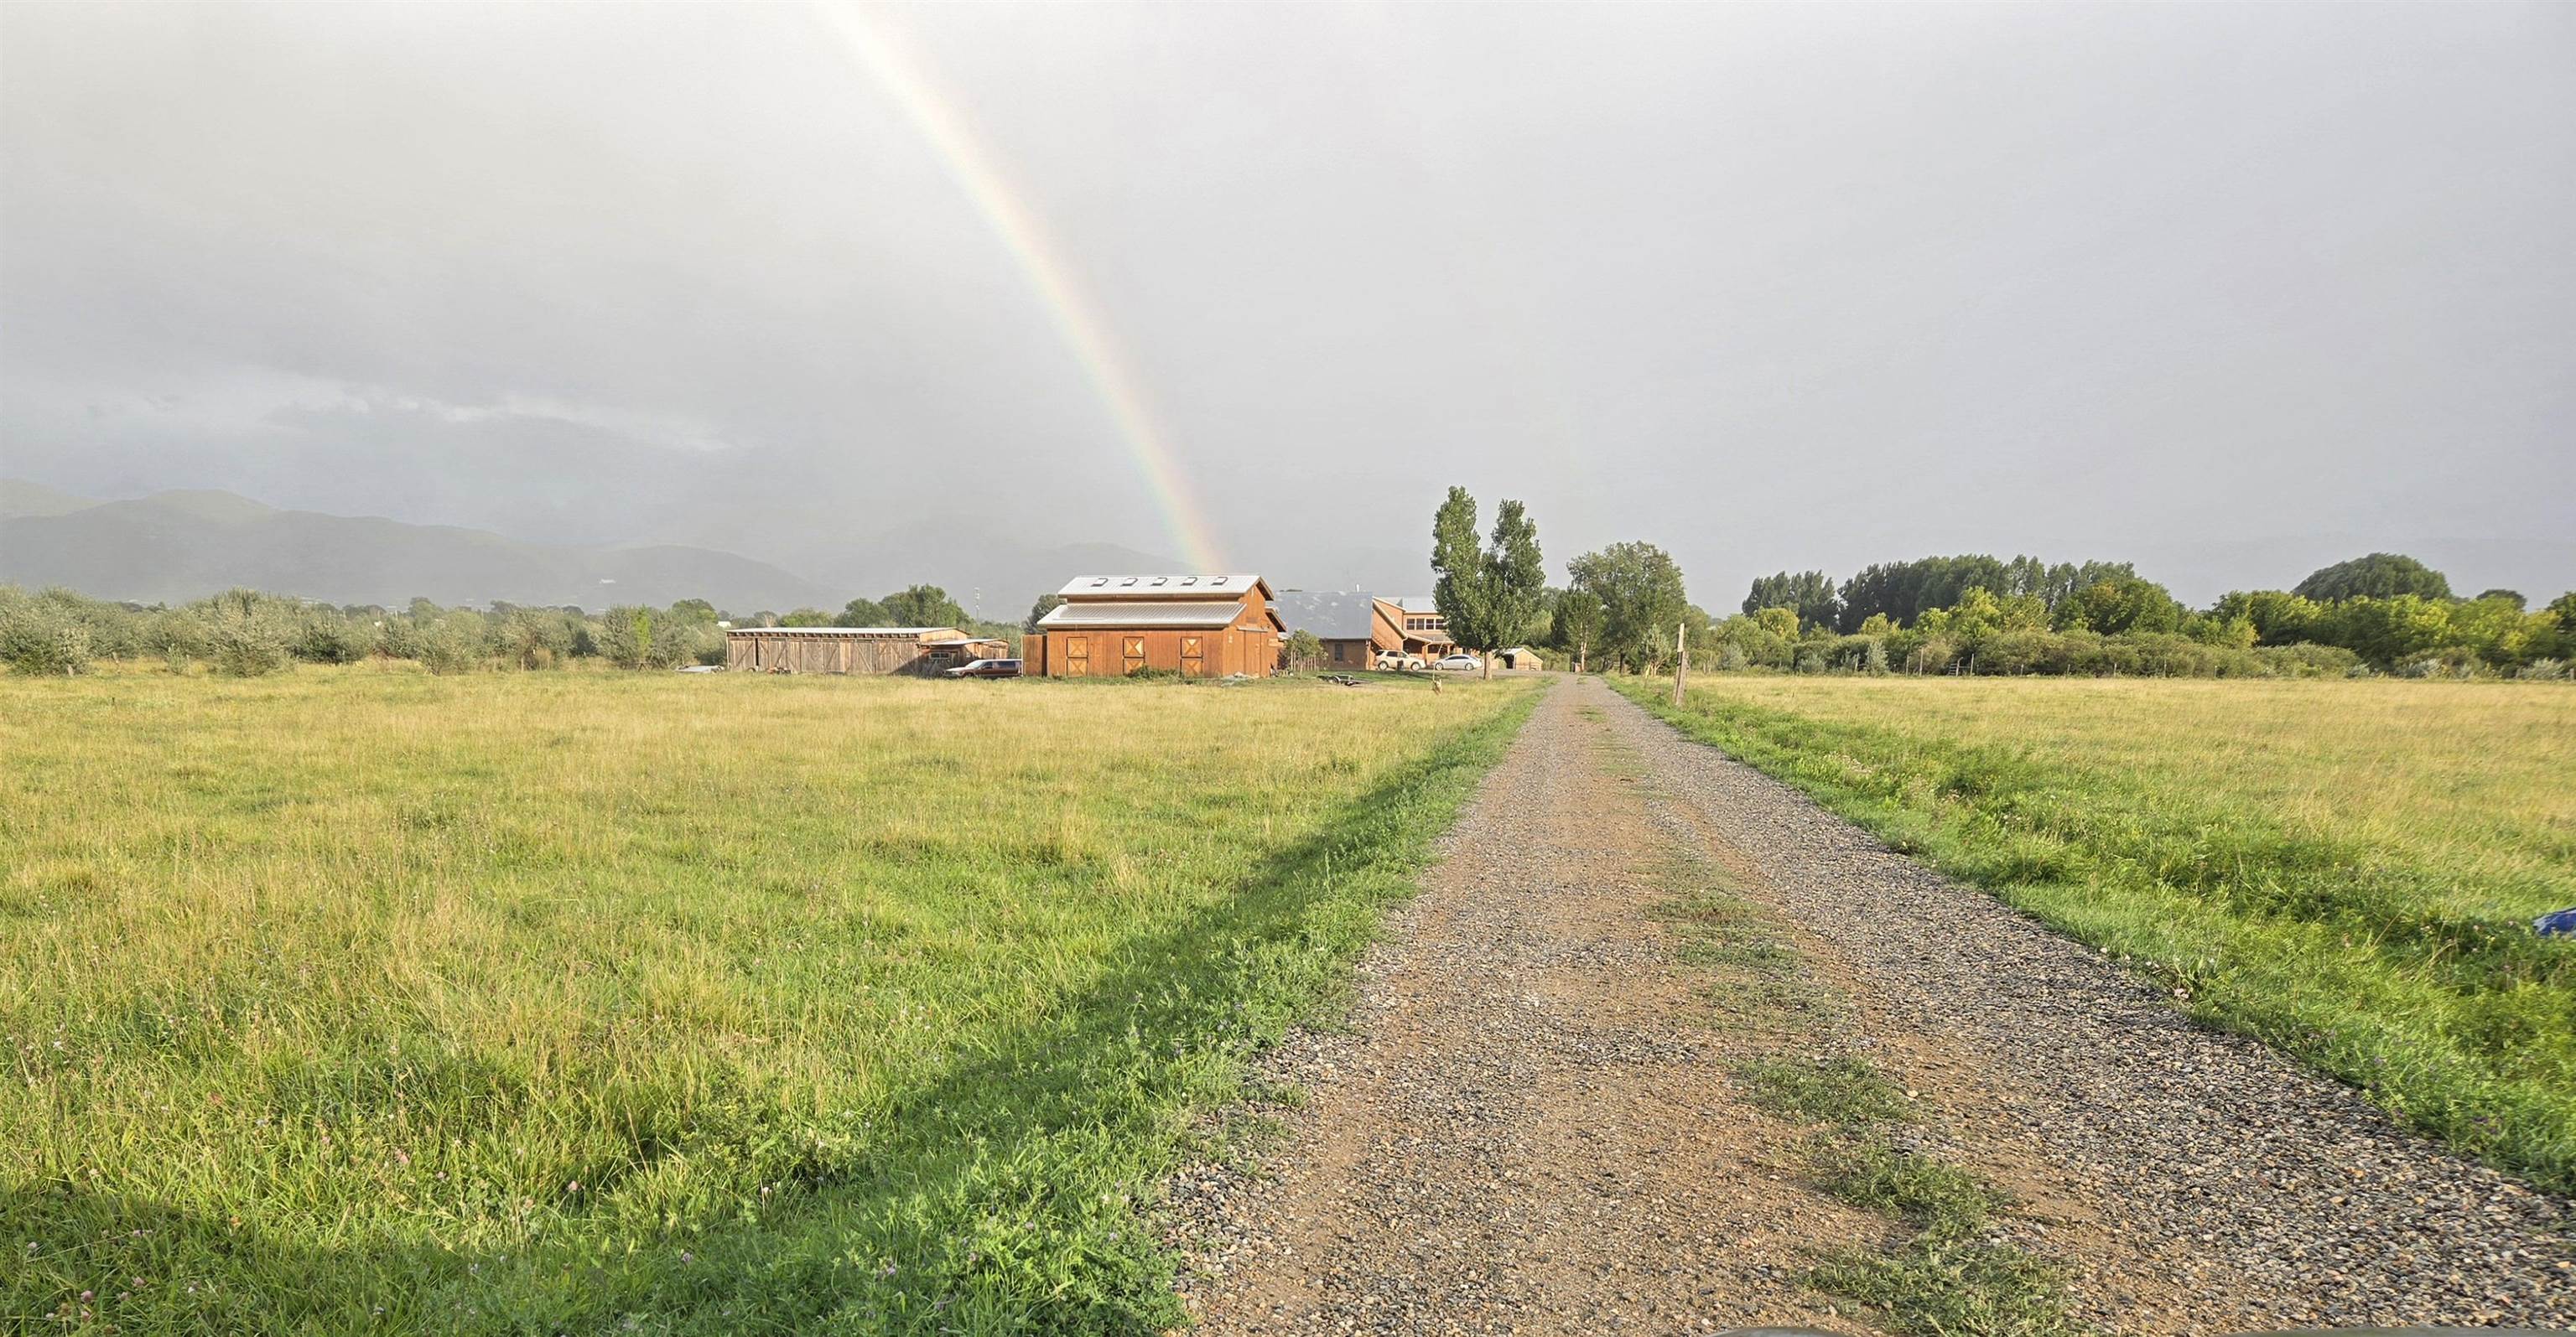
(1304, 649)
(2381, 575)
(923, 606)
(1487, 595)
(1047, 603)
(862, 613)
(2497, 631)
(2513, 597)
(1577, 625)
(806, 617)
(1515, 579)
(1642, 599)
(2562, 635)
(2119, 604)
(2387, 631)
(1459, 591)
(2279, 617)
(1810, 594)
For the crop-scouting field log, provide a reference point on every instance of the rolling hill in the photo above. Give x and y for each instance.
(174, 546)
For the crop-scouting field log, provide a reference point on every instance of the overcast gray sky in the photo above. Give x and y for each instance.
(2229, 290)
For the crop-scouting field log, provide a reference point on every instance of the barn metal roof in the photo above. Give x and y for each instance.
(1143, 613)
(1228, 585)
(1332, 615)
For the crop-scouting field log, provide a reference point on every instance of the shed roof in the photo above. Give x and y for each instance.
(1209, 613)
(1331, 615)
(874, 633)
(1229, 585)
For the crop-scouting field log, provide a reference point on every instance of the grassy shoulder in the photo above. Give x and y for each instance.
(361, 1000)
(2398, 963)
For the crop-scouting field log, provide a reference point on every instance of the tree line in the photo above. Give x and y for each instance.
(2385, 612)
(1627, 607)
(248, 633)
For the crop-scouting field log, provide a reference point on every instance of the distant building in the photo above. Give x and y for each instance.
(1356, 628)
(1201, 626)
(1412, 623)
(854, 649)
(1342, 621)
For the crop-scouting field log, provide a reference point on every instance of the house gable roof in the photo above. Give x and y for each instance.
(1331, 615)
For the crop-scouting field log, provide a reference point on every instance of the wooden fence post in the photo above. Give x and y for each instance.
(1681, 659)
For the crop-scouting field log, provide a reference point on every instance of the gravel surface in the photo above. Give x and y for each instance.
(1528, 1126)
(2314, 1203)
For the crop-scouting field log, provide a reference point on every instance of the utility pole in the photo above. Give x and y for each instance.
(1681, 660)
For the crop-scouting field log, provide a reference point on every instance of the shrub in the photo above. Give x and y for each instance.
(454, 643)
(246, 641)
(42, 634)
(625, 636)
(534, 638)
(327, 637)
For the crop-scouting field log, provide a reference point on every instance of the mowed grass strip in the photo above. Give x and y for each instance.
(2346, 870)
(360, 1000)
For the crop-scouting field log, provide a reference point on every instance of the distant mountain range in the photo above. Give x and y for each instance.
(174, 546)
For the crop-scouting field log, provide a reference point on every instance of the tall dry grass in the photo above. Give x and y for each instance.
(360, 998)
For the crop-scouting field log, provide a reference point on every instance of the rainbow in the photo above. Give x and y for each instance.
(905, 75)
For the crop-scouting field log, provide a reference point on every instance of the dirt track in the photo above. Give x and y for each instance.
(1531, 1127)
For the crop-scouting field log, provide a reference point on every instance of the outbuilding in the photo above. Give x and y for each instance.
(873, 650)
(1342, 622)
(1200, 626)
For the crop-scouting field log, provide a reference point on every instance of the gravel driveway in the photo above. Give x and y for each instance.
(1529, 1126)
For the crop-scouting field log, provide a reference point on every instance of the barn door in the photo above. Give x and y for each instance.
(1193, 656)
(1077, 656)
(1135, 652)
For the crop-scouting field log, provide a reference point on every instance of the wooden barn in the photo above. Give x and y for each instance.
(1199, 626)
(854, 649)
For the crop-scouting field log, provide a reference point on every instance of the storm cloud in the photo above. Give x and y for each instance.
(2229, 291)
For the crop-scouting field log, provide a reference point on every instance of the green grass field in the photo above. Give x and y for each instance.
(2344, 869)
(361, 1000)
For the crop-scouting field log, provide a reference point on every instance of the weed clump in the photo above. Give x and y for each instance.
(1838, 1089)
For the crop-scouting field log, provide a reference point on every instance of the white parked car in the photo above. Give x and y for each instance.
(1399, 661)
(1460, 664)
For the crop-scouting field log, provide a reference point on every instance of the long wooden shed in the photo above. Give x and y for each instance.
(1201, 626)
(854, 649)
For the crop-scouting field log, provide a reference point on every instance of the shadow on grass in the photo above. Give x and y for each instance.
(1012, 1193)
